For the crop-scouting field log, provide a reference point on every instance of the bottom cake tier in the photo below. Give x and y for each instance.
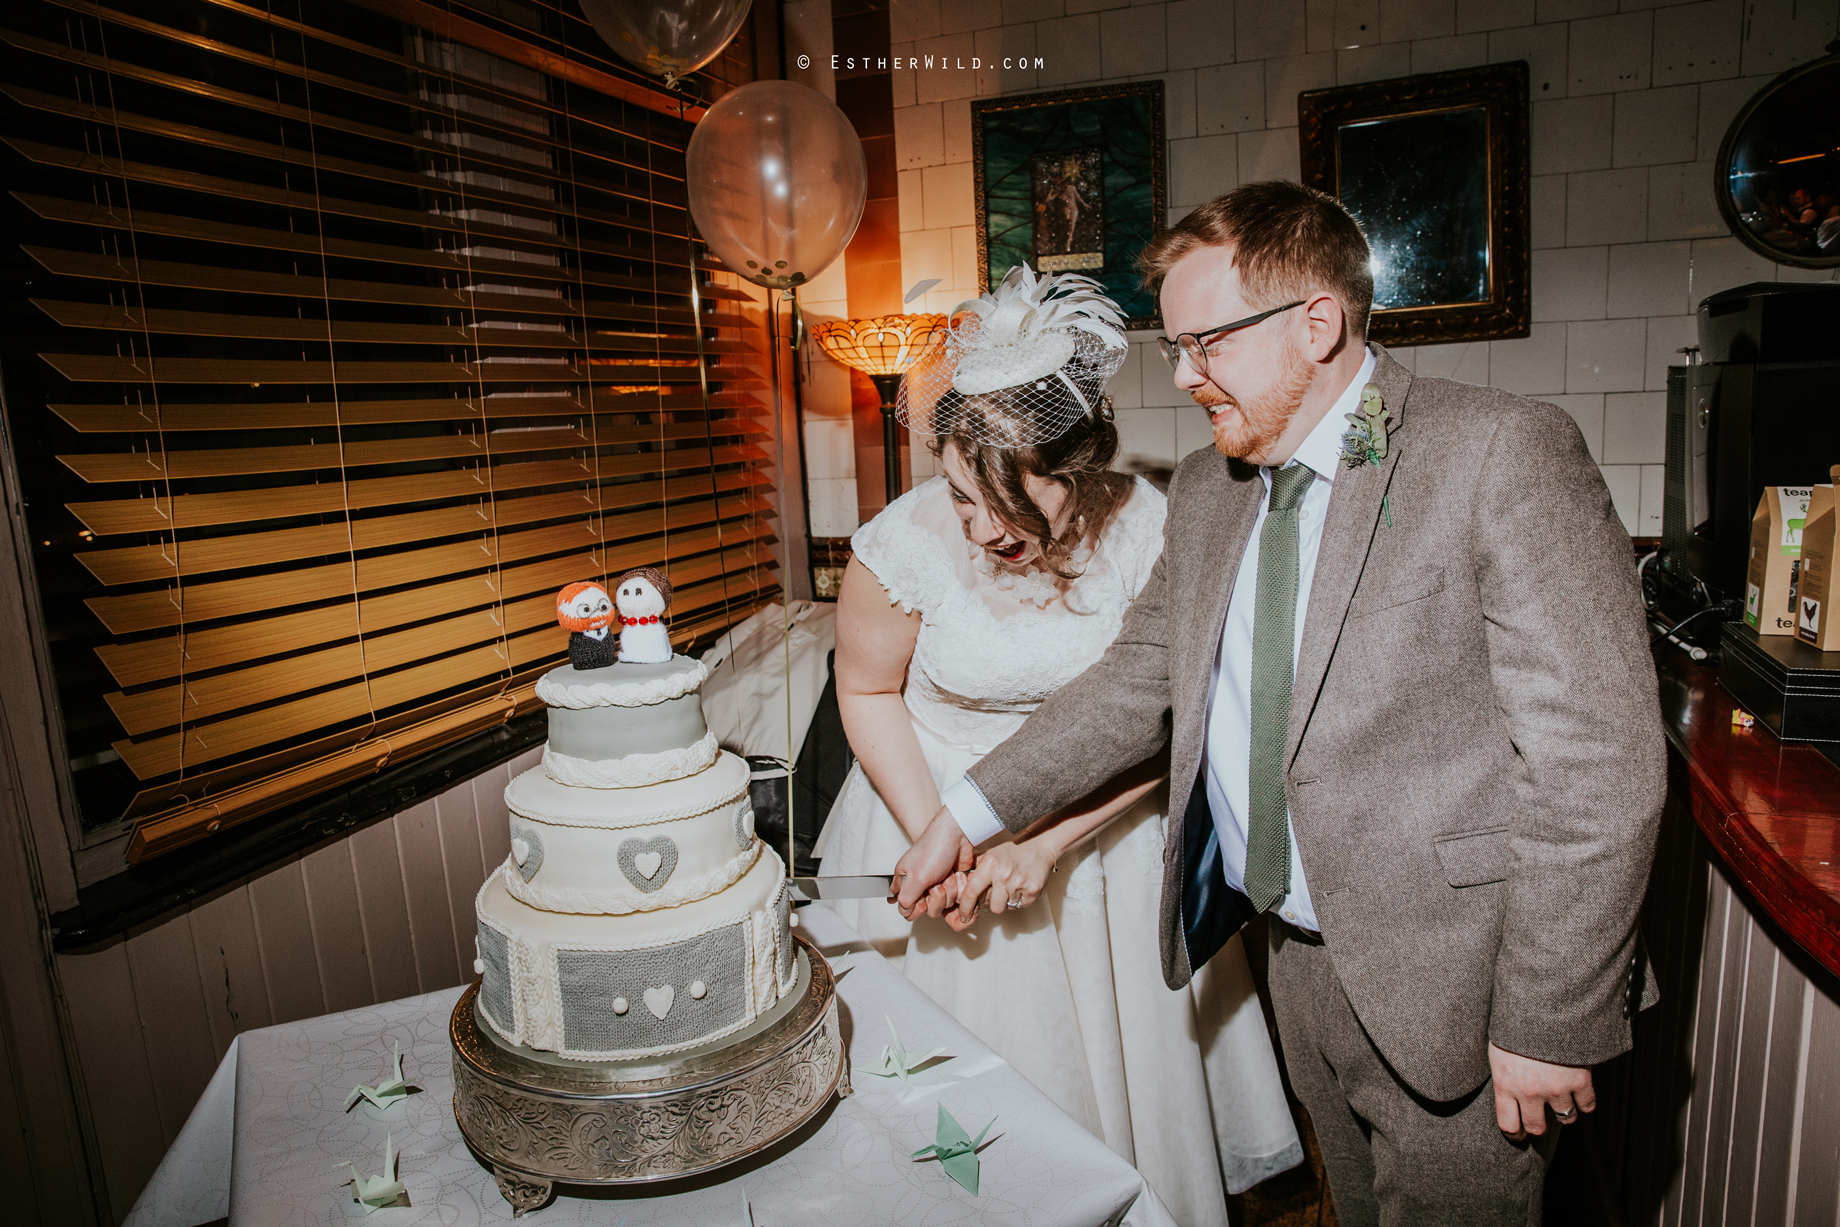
(620, 988)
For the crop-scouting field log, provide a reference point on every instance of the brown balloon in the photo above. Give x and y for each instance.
(777, 182)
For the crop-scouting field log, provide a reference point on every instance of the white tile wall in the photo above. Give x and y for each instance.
(1630, 101)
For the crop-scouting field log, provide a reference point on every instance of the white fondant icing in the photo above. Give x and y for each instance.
(479, 967)
(647, 863)
(697, 990)
(633, 770)
(533, 794)
(658, 1000)
(536, 936)
(579, 695)
(622, 902)
(520, 849)
(620, 1006)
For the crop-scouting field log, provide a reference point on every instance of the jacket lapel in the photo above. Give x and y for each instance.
(1348, 531)
(1227, 502)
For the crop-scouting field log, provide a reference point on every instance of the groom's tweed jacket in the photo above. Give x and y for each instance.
(1475, 766)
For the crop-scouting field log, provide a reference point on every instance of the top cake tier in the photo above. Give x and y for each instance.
(627, 725)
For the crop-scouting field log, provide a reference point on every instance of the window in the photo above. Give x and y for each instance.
(343, 335)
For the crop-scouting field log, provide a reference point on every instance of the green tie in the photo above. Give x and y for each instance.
(1274, 621)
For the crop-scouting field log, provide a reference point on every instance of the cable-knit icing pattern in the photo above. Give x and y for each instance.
(988, 655)
(625, 902)
(632, 770)
(579, 695)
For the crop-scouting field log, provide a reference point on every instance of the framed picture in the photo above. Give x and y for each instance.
(1434, 167)
(1071, 181)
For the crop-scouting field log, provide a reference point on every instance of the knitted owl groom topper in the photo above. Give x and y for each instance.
(586, 611)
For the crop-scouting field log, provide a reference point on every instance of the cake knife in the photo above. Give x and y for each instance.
(865, 886)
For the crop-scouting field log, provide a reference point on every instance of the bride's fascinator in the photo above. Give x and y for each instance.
(1020, 365)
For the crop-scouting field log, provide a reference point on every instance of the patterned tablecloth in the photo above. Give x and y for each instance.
(266, 1142)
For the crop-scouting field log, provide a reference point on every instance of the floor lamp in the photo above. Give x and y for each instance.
(884, 348)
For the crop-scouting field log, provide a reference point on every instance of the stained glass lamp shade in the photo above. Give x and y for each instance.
(884, 348)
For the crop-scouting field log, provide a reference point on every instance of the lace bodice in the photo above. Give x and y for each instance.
(993, 644)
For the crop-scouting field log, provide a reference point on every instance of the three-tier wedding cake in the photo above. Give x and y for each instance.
(637, 915)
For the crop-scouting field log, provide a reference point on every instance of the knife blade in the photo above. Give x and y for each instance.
(865, 886)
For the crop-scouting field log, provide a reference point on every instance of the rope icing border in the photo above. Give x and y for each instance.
(578, 696)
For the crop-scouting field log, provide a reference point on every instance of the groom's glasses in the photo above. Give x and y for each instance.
(1193, 344)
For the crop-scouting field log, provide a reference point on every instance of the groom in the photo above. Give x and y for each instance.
(1411, 713)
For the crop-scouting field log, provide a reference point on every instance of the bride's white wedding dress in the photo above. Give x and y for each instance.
(1070, 990)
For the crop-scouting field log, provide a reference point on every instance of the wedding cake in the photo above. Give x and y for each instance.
(637, 915)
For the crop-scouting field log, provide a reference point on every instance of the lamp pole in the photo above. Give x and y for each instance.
(889, 386)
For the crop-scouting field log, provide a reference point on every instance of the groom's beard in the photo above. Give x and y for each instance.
(1261, 419)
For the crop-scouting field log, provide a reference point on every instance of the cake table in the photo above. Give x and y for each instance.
(264, 1142)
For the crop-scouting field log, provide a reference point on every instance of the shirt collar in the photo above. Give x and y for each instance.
(1321, 449)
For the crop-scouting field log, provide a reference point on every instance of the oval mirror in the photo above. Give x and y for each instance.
(1778, 173)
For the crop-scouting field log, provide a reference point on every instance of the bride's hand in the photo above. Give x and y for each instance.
(1012, 874)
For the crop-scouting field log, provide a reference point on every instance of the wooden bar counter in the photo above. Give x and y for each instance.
(1728, 1109)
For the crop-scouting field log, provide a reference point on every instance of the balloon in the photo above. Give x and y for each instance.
(777, 182)
(667, 38)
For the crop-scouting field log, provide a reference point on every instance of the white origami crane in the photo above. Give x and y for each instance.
(376, 1192)
(385, 1092)
(1026, 329)
(896, 1061)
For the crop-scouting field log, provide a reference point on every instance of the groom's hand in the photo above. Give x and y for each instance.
(1525, 1088)
(941, 852)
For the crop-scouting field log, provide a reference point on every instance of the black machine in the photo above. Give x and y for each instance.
(1760, 407)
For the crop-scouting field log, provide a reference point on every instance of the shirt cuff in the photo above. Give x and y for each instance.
(971, 811)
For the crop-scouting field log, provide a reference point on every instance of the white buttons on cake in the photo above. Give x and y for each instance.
(619, 1005)
(792, 921)
(697, 990)
(479, 967)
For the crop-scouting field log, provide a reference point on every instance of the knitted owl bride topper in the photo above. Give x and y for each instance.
(643, 596)
(1020, 365)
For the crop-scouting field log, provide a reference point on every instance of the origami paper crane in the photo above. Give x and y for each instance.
(385, 1092)
(383, 1189)
(896, 1061)
(956, 1152)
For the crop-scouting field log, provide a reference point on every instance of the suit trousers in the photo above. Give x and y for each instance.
(1394, 1158)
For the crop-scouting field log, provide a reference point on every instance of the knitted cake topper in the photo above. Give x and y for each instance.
(643, 596)
(586, 611)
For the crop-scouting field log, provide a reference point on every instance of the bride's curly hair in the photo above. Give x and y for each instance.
(1080, 461)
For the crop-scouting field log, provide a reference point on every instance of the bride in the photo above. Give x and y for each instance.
(969, 600)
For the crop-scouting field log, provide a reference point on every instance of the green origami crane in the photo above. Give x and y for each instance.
(383, 1189)
(956, 1152)
(386, 1092)
(896, 1061)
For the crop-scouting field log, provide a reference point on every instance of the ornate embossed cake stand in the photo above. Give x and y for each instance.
(540, 1120)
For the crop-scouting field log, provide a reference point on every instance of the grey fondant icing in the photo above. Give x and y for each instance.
(635, 857)
(614, 732)
(744, 823)
(533, 850)
(590, 980)
(495, 987)
(782, 912)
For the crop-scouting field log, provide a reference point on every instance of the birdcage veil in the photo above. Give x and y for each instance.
(1019, 365)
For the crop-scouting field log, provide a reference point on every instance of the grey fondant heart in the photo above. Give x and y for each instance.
(526, 850)
(744, 823)
(661, 847)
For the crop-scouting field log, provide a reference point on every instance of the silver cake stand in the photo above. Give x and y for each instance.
(540, 1120)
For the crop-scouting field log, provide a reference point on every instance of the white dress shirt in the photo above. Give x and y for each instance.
(1227, 754)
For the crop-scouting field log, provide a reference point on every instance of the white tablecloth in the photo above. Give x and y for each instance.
(265, 1142)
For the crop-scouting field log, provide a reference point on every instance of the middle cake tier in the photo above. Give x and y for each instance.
(593, 851)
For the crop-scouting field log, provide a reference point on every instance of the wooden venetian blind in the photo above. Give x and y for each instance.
(369, 324)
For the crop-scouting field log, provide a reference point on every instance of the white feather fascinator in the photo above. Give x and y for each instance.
(1021, 364)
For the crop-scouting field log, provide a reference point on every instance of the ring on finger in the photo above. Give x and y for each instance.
(1567, 1116)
